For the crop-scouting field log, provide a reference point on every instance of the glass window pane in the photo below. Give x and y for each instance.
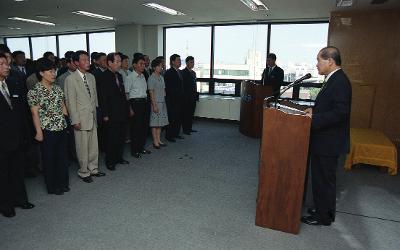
(240, 51)
(203, 87)
(296, 47)
(224, 88)
(190, 41)
(72, 42)
(43, 44)
(22, 44)
(102, 42)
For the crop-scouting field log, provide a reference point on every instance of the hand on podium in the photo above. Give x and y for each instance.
(308, 112)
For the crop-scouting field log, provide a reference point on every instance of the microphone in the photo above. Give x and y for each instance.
(307, 76)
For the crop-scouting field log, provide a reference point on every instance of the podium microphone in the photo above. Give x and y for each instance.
(307, 76)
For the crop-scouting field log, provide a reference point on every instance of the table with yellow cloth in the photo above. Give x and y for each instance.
(372, 147)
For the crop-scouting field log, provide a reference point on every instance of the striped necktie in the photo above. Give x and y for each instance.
(86, 85)
(5, 93)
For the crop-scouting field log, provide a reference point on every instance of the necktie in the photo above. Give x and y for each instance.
(269, 71)
(6, 94)
(86, 85)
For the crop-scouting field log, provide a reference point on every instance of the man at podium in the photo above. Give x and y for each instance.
(272, 75)
(330, 135)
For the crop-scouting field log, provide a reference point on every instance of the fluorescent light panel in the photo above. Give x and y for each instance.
(255, 5)
(14, 28)
(164, 9)
(85, 13)
(31, 21)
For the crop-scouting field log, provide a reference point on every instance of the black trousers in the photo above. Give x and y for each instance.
(175, 111)
(138, 124)
(115, 141)
(323, 177)
(54, 159)
(188, 113)
(12, 185)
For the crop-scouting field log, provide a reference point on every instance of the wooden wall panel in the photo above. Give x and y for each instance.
(370, 45)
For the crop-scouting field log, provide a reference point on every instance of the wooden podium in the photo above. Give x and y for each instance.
(283, 162)
(251, 108)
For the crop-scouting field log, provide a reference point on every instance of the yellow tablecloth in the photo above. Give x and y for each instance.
(371, 147)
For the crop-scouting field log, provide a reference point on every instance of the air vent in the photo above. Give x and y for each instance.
(378, 1)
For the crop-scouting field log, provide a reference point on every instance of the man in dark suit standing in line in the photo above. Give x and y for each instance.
(174, 98)
(13, 134)
(273, 75)
(330, 135)
(191, 95)
(115, 109)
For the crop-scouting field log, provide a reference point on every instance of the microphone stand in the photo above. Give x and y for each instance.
(291, 85)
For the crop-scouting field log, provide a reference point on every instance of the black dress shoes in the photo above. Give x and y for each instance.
(314, 221)
(26, 205)
(186, 133)
(180, 137)
(156, 147)
(170, 139)
(9, 213)
(65, 189)
(56, 192)
(144, 151)
(87, 179)
(123, 161)
(193, 131)
(110, 167)
(313, 212)
(136, 155)
(99, 174)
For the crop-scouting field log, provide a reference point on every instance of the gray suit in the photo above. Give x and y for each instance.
(82, 110)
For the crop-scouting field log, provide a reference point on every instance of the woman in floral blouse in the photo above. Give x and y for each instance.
(48, 112)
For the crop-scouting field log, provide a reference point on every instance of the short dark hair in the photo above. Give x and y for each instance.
(100, 54)
(137, 59)
(111, 57)
(173, 57)
(137, 54)
(157, 61)
(47, 54)
(271, 56)
(4, 49)
(189, 58)
(123, 57)
(78, 54)
(68, 56)
(331, 52)
(17, 53)
(93, 56)
(43, 64)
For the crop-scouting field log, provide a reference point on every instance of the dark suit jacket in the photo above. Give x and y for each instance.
(189, 84)
(275, 78)
(13, 122)
(330, 127)
(112, 100)
(146, 74)
(173, 85)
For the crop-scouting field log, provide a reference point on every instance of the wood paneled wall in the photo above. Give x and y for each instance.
(369, 42)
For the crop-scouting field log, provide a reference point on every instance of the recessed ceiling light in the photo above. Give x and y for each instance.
(31, 21)
(255, 5)
(344, 3)
(164, 9)
(85, 13)
(13, 28)
(20, 0)
(42, 16)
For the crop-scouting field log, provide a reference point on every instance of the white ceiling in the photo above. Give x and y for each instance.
(129, 11)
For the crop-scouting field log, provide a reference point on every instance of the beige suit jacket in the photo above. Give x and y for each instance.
(81, 106)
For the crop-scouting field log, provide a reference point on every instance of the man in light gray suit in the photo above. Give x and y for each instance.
(81, 100)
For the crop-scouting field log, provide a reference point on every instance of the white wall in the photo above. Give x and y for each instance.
(147, 39)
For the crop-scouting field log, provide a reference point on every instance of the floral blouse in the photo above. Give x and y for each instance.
(50, 106)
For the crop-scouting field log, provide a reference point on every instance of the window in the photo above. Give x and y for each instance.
(102, 42)
(224, 88)
(22, 44)
(190, 41)
(72, 42)
(203, 87)
(43, 44)
(240, 52)
(296, 47)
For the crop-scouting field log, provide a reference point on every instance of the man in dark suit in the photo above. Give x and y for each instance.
(330, 135)
(273, 75)
(115, 110)
(191, 95)
(13, 134)
(174, 98)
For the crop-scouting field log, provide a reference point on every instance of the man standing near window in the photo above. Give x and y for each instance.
(191, 95)
(330, 135)
(81, 99)
(273, 75)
